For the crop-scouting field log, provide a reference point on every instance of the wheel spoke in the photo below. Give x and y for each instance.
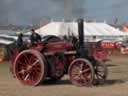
(100, 75)
(87, 76)
(21, 63)
(81, 66)
(77, 78)
(32, 76)
(32, 58)
(26, 59)
(84, 79)
(86, 70)
(36, 69)
(80, 77)
(26, 77)
(35, 62)
(21, 72)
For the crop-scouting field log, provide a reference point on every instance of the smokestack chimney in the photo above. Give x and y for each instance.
(81, 31)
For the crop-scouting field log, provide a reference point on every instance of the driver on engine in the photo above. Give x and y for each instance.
(35, 38)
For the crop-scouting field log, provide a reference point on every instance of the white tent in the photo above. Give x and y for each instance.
(74, 29)
(54, 28)
(101, 30)
(96, 29)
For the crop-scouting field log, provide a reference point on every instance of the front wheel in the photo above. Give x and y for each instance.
(81, 72)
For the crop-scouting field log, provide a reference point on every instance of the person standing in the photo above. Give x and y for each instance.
(19, 42)
(35, 37)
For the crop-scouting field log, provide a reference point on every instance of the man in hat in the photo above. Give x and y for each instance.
(34, 37)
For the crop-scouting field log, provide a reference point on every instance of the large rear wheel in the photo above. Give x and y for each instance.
(30, 68)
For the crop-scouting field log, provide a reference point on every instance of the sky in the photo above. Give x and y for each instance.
(25, 12)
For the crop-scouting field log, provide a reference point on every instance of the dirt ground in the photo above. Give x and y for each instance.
(116, 85)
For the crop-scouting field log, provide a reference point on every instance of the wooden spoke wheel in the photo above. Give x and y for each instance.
(29, 67)
(101, 72)
(81, 72)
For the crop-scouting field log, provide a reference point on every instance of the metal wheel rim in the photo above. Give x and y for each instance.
(31, 72)
(82, 79)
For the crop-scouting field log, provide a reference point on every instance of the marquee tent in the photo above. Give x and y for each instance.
(100, 30)
(96, 29)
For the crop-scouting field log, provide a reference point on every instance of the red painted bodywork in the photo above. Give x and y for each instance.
(97, 50)
(47, 48)
(58, 47)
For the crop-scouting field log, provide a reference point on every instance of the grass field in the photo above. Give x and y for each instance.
(116, 85)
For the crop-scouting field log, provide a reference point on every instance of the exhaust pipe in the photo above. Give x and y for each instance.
(81, 32)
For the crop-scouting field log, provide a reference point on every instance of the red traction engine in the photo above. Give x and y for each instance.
(52, 58)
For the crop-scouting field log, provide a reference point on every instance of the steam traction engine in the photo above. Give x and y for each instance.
(50, 59)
